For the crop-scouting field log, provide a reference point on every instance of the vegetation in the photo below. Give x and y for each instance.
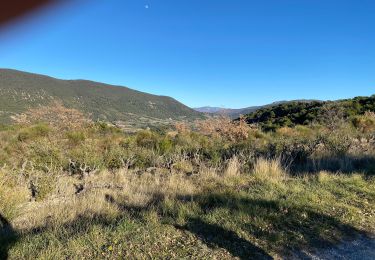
(236, 113)
(291, 114)
(215, 189)
(20, 91)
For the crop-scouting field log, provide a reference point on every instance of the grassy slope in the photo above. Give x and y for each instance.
(20, 90)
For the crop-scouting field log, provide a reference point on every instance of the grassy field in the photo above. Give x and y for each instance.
(259, 214)
(220, 190)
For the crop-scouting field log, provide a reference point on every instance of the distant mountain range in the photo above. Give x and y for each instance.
(235, 113)
(229, 112)
(21, 90)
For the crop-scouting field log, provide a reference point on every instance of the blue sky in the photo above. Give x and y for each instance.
(231, 53)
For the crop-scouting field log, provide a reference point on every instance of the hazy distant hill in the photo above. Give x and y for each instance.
(235, 113)
(21, 90)
(209, 110)
(230, 112)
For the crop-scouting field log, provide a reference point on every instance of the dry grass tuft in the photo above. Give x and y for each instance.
(12, 194)
(233, 167)
(270, 170)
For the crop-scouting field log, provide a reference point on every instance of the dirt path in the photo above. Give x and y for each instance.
(362, 248)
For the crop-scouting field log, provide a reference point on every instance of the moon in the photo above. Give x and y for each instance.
(147, 6)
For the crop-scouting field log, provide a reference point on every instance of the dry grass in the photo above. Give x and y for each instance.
(270, 170)
(123, 187)
(233, 167)
(143, 207)
(13, 192)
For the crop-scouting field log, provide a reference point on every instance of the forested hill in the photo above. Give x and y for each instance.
(303, 113)
(20, 91)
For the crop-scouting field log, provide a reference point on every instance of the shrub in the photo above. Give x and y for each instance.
(147, 139)
(56, 115)
(40, 130)
(126, 143)
(224, 128)
(115, 158)
(337, 143)
(45, 156)
(85, 158)
(144, 158)
(105, 128)
(184, 166)
(165, 145)
(365, 123)
(76, 137)
(182, 128)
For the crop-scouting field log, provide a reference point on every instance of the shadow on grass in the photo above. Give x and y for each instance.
(287, 228)
(8, 236)
(346, 164)
(215, 236)
(284, 229)
(81, 225)
(211, 234)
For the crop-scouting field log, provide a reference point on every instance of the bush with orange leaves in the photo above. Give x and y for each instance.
(182, 128)
(55, 115)
(225, 128)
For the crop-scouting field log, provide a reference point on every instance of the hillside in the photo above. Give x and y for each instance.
(303, 113)
(20, 91)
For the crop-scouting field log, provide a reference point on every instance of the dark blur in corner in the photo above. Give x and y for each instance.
(12, 10)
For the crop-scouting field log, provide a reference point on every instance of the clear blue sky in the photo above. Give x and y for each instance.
(231, 53)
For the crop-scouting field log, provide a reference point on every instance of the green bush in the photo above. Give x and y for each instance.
(45, 156)
(147, 139)
(40, 130)
(115, 158)
(76, 137)
(144, 158)
(87, 155)
(165, 145)
(104, 128)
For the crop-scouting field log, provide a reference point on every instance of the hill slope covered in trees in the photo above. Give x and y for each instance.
(303, 113)
(20, 91)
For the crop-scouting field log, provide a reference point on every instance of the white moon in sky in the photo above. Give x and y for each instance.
(147, 6)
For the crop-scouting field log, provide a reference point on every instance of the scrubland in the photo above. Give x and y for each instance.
(73, 188)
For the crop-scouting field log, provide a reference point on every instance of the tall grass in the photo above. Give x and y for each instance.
(269, 170)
